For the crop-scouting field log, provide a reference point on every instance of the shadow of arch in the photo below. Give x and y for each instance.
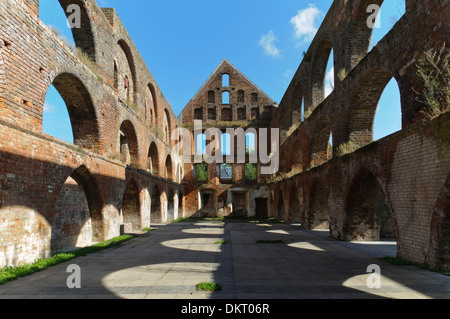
(77, 221)
(131, 207)
(368, 215)
(81, 110)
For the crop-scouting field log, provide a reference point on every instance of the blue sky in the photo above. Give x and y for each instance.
(182, 42)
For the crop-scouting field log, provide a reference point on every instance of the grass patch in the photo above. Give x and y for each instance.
(270, 242)
(148, 229)
(209, 286)
(220, 242)
(12, 273)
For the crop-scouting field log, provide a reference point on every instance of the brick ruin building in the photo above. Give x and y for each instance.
(123, 169)
(227, 100)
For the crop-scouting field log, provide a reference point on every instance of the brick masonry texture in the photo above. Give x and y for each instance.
(123, 168)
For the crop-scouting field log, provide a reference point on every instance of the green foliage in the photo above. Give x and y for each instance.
(208, 286)
(12, 273)
(201, 172)
(220, 242)
(435, 73)
(250, 171)
(347, 148)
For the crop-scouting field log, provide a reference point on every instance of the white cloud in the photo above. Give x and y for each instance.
(288, 73)
(267, 42)
(305, 23)
(48, 108)
(329, 82)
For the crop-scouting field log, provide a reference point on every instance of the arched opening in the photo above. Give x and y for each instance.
(388, 118)
(128, 144)
(131, 208)
(167, 126)
(226, 144)
(126, 74)
(364, 104)
(153, 160)
(170, 206)
(329, 76)
(226, 97)
(250, 144)
(77, 221)
(56, 119)
(69, 90)
(319, 73)
(389, 14)
(200, 144)
(156, 212)
(225, 80)
(368, 215)
(369, 28)
(208, 202)
(81, 35)
(169, 170)
(150, 101)
(318, 216)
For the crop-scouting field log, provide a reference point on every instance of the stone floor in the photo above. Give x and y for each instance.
(168, 263)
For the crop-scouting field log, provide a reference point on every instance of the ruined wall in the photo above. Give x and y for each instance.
(398, 179)
(247, 107)
(34, 166)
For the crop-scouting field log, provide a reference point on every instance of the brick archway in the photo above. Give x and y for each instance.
(81, 110)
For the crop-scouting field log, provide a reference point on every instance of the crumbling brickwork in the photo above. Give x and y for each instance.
(123, 168)
(117, 114)
(391, 187)
(246, 107)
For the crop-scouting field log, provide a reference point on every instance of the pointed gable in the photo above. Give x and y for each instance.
(227, 95)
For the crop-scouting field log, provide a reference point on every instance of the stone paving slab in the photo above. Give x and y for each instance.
(168, 263)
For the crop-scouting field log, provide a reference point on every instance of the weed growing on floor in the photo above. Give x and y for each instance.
(209, 286)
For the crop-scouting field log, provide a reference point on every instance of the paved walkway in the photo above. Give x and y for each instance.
(169, 262)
